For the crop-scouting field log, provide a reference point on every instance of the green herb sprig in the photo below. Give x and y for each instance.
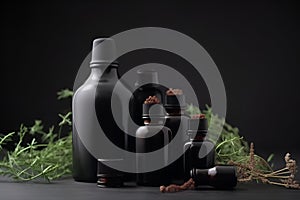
(46, 157)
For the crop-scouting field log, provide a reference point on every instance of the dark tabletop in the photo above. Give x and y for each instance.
(68, 189)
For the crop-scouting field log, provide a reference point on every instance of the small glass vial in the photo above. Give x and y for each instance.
(220, 177)
(199, 152)
(151, 137)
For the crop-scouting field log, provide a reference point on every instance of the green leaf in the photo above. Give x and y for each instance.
(37, 127)
(65, 93)
(270, 158)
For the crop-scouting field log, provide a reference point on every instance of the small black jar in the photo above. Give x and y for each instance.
(199, 151)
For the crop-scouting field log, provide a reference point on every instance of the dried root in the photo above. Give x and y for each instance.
(152, 100)
(282, 177)
(189, 185)
(172, 92)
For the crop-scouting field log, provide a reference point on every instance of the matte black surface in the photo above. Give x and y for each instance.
(68, 189)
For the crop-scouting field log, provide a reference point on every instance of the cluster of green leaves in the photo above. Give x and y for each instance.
(229, 144)
(47, 156)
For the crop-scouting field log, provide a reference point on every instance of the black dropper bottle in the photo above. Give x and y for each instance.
(220, 177)
(199, 151)
(151, 137)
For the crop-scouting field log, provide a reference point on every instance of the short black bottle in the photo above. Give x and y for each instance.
(151, 137)
(177, 121)
(220, 177)
(199, 151)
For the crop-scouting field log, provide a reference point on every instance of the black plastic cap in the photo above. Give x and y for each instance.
(175, 101)
(153, 110)
(104, 51)
(198, 125)
(146, 76)
(107, 176)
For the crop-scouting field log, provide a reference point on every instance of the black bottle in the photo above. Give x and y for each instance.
(199, 152)
(151, 137)
(220, 177)
(147, 84)
(98, 89)
(175, 106)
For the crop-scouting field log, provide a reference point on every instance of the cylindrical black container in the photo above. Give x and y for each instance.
(107, 176)
(177, 121)
(221, 177)
(199, 152)
(151, 137)
(98, 89)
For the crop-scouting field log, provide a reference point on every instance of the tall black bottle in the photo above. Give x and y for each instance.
(151, 137)
(177, 121)
(199, 151)
(147, 84)
(98, 88)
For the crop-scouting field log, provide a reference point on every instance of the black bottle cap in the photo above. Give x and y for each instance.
(146, 76)
(153, 110)
(107, 176)
(175, 101)
(104, 52)
(198, 125)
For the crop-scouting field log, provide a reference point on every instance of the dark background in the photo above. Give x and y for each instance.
(255, 45)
